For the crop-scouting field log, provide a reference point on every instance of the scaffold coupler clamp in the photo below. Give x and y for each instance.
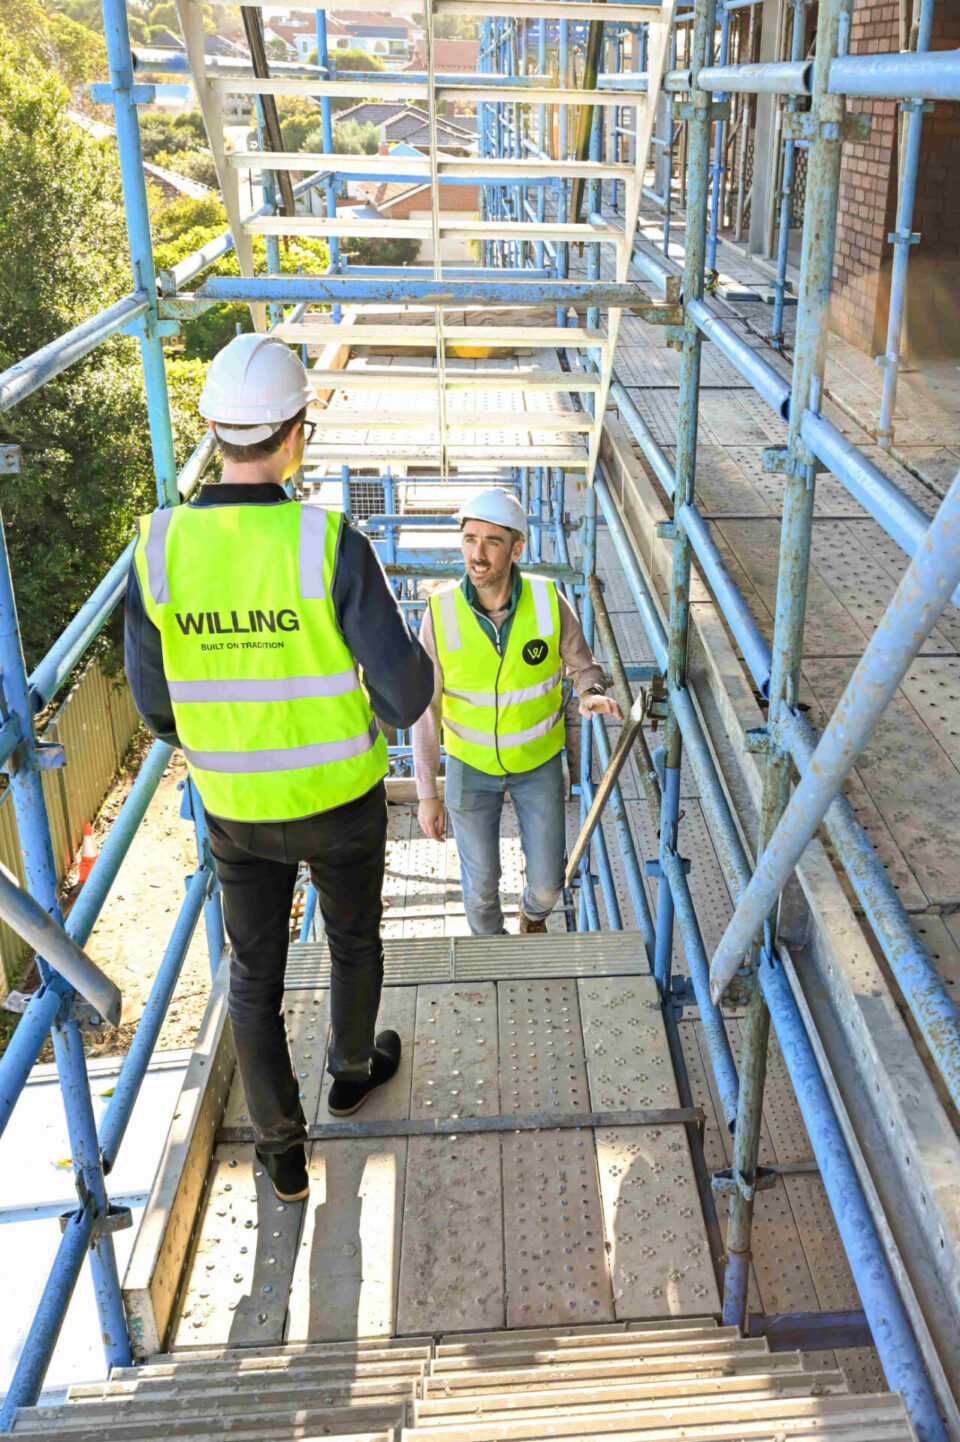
(726, 1182)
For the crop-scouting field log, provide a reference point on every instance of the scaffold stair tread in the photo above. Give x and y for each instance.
(418, 960)
(453, 1344)
(214, 1415)
(524, 1377)
(626, 1347)
(573, 1400)
(371, 1349)
(237, 1363)
(631, 1369)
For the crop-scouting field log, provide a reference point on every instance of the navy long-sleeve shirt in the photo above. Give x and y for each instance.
(397, 672)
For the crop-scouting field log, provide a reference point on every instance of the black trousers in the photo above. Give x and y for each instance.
(257, 866)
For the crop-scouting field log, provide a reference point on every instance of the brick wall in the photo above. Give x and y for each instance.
(868, 200)
(867, 193)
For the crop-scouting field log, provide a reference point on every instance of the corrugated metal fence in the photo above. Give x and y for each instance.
(94, 725)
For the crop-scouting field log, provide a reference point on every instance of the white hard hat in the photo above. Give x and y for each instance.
(497, 506)
(254, 379)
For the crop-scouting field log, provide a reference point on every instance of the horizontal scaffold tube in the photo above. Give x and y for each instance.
(902, 520)
(930, 75)
(789, 77)
(766, 381)
(930, 580)
(900, 517)
(889, 1324)
(22, 379)
(922, 985)
(342, 289)
(29, 920)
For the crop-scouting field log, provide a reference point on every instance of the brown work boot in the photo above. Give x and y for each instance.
(529, 925)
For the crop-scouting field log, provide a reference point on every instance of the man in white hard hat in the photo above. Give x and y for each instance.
(500, 643)
(249, 620)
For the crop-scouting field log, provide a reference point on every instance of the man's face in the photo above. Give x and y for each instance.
(488, 552)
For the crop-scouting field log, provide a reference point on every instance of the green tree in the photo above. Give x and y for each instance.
(182, 226)
(193, 164)
(170, 133)
(351, 138)
(60, 42)
(165, 14)
(87, 470)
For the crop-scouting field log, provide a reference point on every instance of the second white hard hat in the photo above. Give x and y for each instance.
(498, 507)
(255, 381)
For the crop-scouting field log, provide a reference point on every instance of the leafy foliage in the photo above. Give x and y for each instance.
(351, 138)
(59, 42)
(183, 226)
(171, 133)
(87, 469)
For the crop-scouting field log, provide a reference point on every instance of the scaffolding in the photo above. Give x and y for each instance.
(572, 99)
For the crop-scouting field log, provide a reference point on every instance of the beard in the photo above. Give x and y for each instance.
(491, 578)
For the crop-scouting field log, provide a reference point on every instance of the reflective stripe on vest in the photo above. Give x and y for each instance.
(283, 758)
(267, 702)
(504, 738)
(283, 688)
(501, 714)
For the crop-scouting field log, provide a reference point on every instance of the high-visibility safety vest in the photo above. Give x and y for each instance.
(501, 712)
(268, 705)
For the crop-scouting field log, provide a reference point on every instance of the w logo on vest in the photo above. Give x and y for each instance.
(534, 652)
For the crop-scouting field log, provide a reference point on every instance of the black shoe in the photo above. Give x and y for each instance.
(287, 1171)
(347, 1097)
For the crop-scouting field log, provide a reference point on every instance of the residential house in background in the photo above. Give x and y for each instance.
(411, 123)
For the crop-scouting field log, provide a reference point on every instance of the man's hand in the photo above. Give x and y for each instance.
(591, 705)
(430, 814)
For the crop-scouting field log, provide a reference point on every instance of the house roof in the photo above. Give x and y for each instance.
(410, 117)
(165, 39)
(375, 112)
(450, 57)
(216, 45)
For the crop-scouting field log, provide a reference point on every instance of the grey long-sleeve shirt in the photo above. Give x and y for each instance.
(578, 664)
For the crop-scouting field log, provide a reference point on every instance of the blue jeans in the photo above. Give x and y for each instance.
(475, 803)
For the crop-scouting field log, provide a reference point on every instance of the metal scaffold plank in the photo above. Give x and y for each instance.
(451, 1270)
(348, 1262)
(553, 1221)
(660, 1257)
(239, 1284)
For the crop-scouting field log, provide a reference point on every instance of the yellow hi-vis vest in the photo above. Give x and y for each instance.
(268, 705)
(501, 713)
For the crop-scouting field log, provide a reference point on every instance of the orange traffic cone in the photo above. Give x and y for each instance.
(88, 853)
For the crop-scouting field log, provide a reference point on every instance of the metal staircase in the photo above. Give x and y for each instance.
(439, 429)
(690, 1379)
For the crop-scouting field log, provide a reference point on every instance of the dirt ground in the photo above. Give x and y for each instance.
(135, 924)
